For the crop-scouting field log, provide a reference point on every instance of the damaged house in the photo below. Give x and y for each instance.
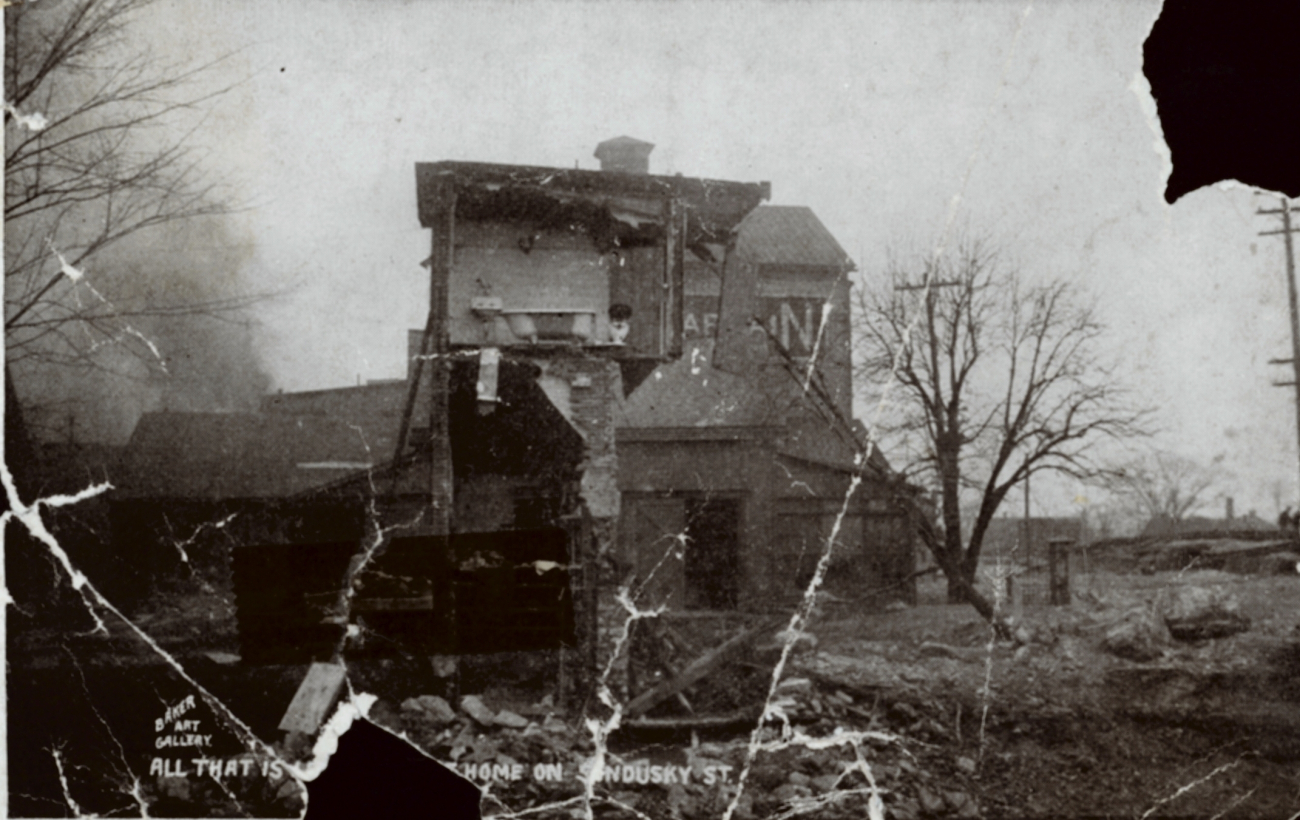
(748, 458)
(625, 380)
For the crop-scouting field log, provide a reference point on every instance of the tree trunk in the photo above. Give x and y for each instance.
(949, 476)
(961, 590)
(957, 579)
(967, 568)
(957, 591)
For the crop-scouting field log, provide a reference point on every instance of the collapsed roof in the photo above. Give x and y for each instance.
(614, 209)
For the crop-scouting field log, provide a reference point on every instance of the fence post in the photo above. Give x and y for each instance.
(1016, 598)
(1058, 560)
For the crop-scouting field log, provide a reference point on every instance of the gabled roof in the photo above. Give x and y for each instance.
(814, 439)
(690, 393)
(618, 145)
(373, 409)
(789, 235)
(217, 456)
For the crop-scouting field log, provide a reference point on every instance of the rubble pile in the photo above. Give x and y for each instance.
(532, 756)
(1195, 613)
(1186, 613)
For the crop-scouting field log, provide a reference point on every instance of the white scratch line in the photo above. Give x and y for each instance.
(32, 122)
(63, 781)
(75, 274)
(135, 791)
(795, 631)
(181, 545)
(78, 276)
(1185, 789)
(30, 517)
(827, 307)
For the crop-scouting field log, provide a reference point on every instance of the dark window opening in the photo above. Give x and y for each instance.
(533, 512)
(507, 592)
(712, 553)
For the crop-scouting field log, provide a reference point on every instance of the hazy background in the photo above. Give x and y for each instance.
(893, 120)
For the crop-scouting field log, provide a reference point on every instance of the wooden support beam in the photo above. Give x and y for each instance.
(676, 252)
(694, 721)
(316, 695)
(696, 670)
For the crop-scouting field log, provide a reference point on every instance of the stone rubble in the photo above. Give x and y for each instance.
(1195, 613)
(1137, 636)
(921, 775)
(473, 706)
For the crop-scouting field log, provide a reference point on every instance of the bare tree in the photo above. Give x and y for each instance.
(996, 379)
(1162, 485)
(97, 149)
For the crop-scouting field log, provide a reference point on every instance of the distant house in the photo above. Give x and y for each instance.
(1010, 537)
(1164, 526)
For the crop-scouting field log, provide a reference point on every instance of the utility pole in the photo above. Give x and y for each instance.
(1286, 231)
(1027, 525)
(928, 286)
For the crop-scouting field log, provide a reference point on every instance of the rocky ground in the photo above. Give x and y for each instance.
(1080, 716)
(1153, 694)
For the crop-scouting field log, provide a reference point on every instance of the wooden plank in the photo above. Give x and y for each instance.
(696, 670)
(694, 721)
(736, 349)
(314, 698)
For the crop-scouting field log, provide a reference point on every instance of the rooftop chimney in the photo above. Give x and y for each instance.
(625, 155)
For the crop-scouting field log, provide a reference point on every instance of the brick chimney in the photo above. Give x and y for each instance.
(625, 155)
(1227, 511)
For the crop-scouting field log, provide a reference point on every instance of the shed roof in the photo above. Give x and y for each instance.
(789, 235)
(692, 393)
(216, 456)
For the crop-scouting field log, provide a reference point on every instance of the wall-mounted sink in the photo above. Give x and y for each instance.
(552, 325)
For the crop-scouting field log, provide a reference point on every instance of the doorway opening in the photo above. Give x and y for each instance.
(712, 553)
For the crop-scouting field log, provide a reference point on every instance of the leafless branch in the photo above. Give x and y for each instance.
(113, 160)
(1002, 379)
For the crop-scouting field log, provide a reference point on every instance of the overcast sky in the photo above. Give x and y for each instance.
(1026, 122)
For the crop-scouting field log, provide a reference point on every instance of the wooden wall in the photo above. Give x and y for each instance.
(787, 508)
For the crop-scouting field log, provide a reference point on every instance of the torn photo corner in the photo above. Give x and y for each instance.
(625, 410)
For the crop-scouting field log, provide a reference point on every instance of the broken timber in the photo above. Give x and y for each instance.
(695, 721)
(316, 694)
(697, 669)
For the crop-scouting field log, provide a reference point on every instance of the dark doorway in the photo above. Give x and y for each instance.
(712, 552)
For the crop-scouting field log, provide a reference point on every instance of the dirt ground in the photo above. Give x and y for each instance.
(951, 723)
(1066, 729)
